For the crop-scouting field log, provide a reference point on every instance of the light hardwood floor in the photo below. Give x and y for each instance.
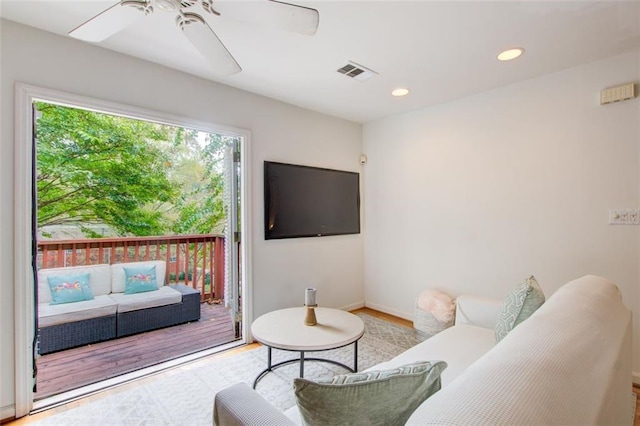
(39, 416)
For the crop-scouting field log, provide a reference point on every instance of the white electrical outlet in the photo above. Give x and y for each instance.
(624, 217)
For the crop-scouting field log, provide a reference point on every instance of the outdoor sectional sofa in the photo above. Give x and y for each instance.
(569, 363)
(111, 313)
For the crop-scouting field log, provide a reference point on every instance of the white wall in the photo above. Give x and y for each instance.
(281, 269)
(474, 195)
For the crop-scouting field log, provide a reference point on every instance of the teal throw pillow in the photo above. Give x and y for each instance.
(370, 398)
(521, 302)
(140, 279)
(69, 288)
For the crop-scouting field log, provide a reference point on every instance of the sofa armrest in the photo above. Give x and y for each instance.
(239, 405)
(480, 311)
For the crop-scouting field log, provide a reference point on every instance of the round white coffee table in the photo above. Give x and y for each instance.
(284, 329)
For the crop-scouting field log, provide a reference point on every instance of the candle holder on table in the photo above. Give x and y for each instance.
(310, 318)
(310, 303)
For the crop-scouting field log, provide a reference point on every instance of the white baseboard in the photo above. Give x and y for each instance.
(389, 311)
(353, 306)
(636, 378)
(7, 412)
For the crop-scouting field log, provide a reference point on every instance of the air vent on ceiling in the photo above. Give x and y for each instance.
(357, 72)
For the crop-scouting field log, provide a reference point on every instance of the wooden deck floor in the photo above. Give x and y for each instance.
(65, 370)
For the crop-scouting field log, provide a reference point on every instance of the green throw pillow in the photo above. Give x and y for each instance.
(140, 279)
(370, 398)
(69, 288)
(521, 302)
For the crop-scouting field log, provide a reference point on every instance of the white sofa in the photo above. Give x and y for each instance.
(111, 313)
(568, 364)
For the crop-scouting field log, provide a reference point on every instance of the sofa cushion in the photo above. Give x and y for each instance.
(520, 303)
(370, 398)
(132, 302)
(140, 279)
(99, 279)
(475, 310)
(460, 346)
(69, 288)
(118, 276)
(99, 306)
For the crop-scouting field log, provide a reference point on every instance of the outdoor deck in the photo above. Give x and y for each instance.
(73, 368)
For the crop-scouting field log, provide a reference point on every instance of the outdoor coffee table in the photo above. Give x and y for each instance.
(284, 329)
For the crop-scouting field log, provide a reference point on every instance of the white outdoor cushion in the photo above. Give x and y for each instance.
(118, 277)
(99, 280)
(99, 306)
(132, 302)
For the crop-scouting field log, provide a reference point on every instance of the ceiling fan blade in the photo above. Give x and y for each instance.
(273, 14)
(209, 45)
(109, 21)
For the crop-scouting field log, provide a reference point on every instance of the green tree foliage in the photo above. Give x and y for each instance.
(97, 168)
(200, 205)
(137, 177)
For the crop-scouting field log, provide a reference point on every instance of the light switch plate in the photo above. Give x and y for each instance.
(624, 217)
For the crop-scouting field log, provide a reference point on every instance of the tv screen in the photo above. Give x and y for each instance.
(302, 201)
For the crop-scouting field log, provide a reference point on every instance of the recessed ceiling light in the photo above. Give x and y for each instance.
(400, 92)
(510, 54)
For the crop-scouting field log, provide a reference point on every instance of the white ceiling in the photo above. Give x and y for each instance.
(440, 50)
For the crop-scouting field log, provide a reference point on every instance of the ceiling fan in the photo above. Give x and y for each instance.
(285, 16)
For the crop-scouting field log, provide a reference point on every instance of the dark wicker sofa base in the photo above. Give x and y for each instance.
(79, 333)
(69, 335)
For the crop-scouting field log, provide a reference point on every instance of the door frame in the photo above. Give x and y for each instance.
(24, 285)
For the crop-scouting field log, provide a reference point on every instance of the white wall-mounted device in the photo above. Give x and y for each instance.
(617, 94)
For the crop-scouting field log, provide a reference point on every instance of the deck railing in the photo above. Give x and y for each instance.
(195, 260)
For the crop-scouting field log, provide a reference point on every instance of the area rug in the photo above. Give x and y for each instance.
(184, 396)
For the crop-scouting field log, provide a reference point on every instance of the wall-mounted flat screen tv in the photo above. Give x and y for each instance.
(302, 201)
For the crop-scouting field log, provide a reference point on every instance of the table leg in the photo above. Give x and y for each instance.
(355, 356)
(267, 370)
(301, 360)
